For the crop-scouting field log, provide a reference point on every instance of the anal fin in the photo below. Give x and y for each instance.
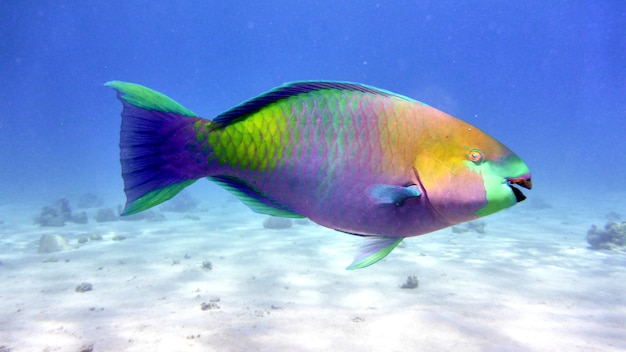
(252, 198)
(373, 249)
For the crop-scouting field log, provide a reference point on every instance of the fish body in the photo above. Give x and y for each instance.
(347, 156)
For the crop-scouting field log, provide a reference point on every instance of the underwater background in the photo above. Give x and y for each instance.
(546, 78)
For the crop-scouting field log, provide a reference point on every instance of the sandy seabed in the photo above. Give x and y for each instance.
(530, 283)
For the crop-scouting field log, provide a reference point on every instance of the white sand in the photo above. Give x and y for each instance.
(530, 284)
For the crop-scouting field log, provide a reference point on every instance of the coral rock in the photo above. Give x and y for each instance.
(55, 215)
(612, 237)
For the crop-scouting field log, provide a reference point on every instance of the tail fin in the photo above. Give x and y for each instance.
(156, 133)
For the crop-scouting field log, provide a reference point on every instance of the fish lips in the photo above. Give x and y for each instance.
(522, 181)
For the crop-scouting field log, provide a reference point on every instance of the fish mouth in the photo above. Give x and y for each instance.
(522, 181)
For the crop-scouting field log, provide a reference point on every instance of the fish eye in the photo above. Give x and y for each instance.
(475, 155)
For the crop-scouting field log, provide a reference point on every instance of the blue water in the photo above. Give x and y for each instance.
(546, 78)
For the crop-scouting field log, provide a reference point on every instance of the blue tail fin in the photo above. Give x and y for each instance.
(154, 146)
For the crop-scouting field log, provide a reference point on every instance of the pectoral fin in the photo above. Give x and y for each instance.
(388, 194)
(372, 250)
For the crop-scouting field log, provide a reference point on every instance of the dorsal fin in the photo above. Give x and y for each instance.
(287, 90)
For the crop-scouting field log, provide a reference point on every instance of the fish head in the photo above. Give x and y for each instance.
(465, 173)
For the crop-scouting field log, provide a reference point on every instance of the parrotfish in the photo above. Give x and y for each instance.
(347, 156)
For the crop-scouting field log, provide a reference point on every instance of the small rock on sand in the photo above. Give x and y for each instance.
(84, 287)
(410, 283)
(95, 237)
(52, 243)
(209, 306)
(206, 265)
(86, 348)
